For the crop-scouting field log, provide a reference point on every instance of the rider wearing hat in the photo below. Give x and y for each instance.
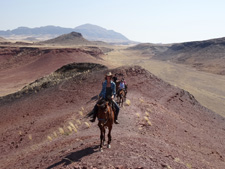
(108, 92)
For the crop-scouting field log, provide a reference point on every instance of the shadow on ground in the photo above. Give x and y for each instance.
(75, 156)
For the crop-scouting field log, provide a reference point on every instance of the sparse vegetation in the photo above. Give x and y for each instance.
(30, 136)
(61, 130)
(128, 102)
(147, 114)
(87, 124)
(81, 113)
(49, 138)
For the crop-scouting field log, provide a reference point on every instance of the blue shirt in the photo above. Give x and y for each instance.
(103, 92)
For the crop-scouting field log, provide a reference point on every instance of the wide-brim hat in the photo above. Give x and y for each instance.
(109, 74)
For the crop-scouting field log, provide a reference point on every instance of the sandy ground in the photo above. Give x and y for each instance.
(161, 126)
(207, 88)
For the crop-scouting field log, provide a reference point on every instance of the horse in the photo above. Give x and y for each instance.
(105, 117)
(117, 86)
(121, 95)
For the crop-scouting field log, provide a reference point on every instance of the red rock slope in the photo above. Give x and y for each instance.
(163, 127)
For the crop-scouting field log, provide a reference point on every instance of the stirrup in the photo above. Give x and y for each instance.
(92, 120)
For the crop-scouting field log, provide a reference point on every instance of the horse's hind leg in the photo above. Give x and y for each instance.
(109, 137)
(120, 101)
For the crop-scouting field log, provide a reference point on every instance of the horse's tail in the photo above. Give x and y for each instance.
(90, 114)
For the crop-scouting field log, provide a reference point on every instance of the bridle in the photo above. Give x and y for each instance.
(104, 121)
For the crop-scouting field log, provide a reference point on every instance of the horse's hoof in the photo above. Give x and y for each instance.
(109, 146)
(100, 149)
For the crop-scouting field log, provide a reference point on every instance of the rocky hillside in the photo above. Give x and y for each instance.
(20, 66)
(72, 38)
(204, 55)
(161, 126)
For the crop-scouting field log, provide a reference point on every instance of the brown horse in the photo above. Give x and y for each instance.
(121, 95)
(105, 117)
(117, 86)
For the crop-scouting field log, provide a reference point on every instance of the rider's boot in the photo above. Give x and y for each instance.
(116, 120)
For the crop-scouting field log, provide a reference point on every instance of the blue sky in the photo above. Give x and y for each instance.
(158, 21)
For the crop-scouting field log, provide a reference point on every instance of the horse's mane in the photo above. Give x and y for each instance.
(101, 103)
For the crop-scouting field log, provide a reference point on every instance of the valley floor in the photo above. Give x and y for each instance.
(208, 89)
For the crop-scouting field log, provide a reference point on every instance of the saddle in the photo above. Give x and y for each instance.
(111, 103)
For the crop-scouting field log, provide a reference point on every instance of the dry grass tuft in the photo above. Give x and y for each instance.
(30, 136)
(72, 125)
(87, 124)
(128, 102)
(177, 160)
(188, 165)
(141, 100)
(138, 115)
(75, 130)
(146, 118)
(147, 114)
(149, 123)
(49, 138)
(61, 130)
(81, 113)
(70, 128)
(55, 134)
(149, 110)
(78, 121)
(168, 167)
(76, 126)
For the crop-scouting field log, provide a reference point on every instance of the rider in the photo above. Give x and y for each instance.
(123, 86)
(115, 78)
(108, 91)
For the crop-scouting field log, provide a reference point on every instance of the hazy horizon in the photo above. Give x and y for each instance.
(160, 21)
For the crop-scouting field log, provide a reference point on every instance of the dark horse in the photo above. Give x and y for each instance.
(105, 117)
(121, 96)
(117, 86)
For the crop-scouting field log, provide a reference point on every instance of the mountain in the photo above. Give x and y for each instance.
(90, 32)
(68, 39)
(207, 55)
(93, 32)
(45, 30)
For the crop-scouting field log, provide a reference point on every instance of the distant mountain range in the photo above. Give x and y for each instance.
(89, 32)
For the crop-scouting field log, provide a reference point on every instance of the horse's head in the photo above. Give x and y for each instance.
(103, 110)
(121, 93)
